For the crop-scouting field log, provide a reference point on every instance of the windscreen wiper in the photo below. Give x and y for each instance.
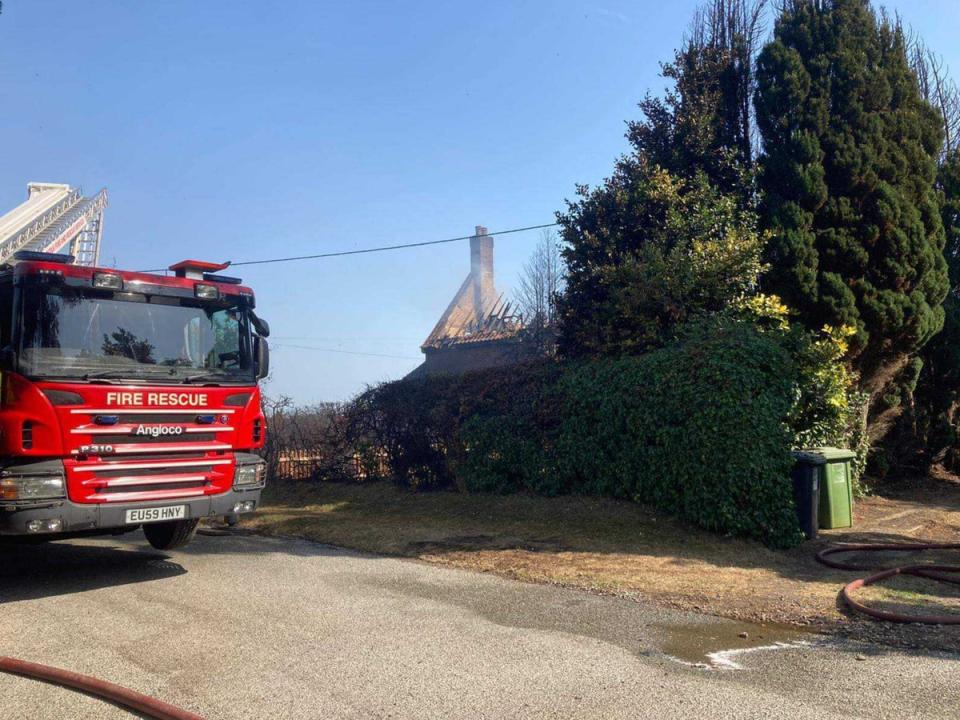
(105, 374)
(201, 377)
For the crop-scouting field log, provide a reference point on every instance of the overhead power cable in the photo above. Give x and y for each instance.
(341, 339)
(364, 251)
(281, 346)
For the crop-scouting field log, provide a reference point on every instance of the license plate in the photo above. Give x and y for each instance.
(157, 514)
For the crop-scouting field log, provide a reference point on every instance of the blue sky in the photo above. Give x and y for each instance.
(241, 130)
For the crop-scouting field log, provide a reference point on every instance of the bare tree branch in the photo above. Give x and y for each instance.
(734, 30)
(937, 87)
(540, 283)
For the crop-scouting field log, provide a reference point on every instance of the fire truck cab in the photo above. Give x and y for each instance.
(127, 400)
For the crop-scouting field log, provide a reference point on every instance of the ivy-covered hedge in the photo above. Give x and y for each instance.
(699, 429)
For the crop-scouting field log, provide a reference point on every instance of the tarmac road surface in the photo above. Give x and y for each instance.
(249, 627)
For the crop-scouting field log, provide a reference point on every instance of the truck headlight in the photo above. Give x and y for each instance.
(250, 475)
(31, 487)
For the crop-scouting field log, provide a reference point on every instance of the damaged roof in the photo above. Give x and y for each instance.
(476, 313)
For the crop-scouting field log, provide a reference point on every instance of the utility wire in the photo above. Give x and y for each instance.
(322, 339)
(364, 251)
(281, 346)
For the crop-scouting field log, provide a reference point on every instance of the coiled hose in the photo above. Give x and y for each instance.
(143, 704)
(940, 573)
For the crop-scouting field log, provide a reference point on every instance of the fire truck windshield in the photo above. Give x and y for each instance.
(82, 334)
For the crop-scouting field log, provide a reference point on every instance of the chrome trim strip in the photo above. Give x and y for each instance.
(134, 448)
(97, 467)
(171, 494)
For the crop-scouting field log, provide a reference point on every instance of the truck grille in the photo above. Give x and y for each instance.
(143, 477)
(112, 463)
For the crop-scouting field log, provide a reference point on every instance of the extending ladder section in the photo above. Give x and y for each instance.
(55, 218)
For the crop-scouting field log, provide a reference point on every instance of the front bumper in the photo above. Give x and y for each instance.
(16, 516)
(75, 518)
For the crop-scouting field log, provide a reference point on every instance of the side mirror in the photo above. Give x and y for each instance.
(260, 325)
(7, 358)
(262, 352)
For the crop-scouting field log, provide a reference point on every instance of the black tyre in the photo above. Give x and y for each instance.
(170, 535)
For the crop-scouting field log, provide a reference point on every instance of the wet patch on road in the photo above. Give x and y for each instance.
(646, 631)
(722, 645)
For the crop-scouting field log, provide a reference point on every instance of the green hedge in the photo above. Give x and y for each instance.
(698, 429)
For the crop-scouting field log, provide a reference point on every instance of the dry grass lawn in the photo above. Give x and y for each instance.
(619, 547)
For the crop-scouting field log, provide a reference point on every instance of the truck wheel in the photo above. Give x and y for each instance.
(170, 535)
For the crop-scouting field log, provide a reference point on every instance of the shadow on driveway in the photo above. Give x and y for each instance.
(33, 571)
(29, 572)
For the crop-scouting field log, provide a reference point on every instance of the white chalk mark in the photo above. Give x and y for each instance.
(724, 658)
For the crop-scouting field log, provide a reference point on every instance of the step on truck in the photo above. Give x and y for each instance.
(127, 399)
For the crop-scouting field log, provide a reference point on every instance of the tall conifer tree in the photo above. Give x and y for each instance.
(848, 181)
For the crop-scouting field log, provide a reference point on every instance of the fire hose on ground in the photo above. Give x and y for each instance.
(143, 704)
(940, 573)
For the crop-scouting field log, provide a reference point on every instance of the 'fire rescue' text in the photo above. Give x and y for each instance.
(169, 399)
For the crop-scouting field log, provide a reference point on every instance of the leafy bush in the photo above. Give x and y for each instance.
(699, 428)
(409, 424)
(647, 252)
(828, 409)
(430, 430)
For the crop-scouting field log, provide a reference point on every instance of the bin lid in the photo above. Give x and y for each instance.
(823, 455)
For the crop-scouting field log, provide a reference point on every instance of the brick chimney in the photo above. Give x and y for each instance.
(481, 268)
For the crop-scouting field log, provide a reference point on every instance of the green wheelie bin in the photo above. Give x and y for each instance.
(835, 484)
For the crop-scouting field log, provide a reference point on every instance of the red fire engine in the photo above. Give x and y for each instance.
(128, 399)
